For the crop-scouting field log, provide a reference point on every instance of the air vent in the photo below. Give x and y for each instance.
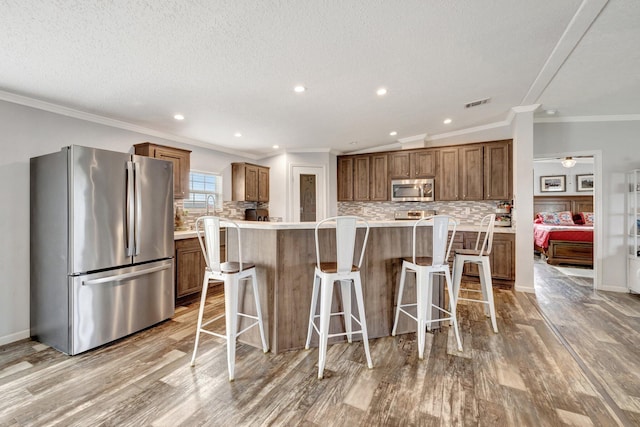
(476, 103)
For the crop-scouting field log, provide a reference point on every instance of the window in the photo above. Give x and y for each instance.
(202, 185)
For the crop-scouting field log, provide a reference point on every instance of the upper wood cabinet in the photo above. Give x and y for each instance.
(345, 178)
(447, 186)
(399, 165)
(498, 170)
(363, 177)
(249, 182)
(479, 171)
(412, 164)
(475, 172)
(423, 164)
(379, 177)
(181, 164)
(471, 168)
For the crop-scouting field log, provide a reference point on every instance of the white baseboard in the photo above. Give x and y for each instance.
(622, 289)
(14, 337)
(527, 289)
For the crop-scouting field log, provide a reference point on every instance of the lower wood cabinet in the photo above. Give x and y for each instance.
(501, 259)
(190, 267)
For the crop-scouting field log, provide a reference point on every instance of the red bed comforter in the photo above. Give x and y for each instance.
(542, 233)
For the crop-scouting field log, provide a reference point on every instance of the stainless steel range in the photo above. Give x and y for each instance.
(412, 214)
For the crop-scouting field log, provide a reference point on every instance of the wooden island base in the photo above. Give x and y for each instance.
(285, 258)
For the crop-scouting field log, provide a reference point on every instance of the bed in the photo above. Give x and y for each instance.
(564, 244)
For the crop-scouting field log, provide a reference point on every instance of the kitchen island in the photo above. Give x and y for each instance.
(284, 254)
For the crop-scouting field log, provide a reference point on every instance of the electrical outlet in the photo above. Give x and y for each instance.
(467, 211)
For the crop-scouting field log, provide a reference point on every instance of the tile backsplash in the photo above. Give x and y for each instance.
(384, 210)
(230, 210)
(375, 211)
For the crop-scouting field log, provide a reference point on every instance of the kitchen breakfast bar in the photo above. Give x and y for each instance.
(285, 257)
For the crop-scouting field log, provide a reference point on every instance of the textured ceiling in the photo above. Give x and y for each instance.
(230, 66)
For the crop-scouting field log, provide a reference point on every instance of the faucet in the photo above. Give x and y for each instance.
(213, 202)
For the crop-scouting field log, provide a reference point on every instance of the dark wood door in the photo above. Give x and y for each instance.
(471, 170)
(345, 179)
(423, 164)
(251, 179)
(190, 267)
(498, 171)
(379, 177)
(263, 184)
(501, 258)
(307, 198)
(399, 165)
(447, 174)
(361, 176)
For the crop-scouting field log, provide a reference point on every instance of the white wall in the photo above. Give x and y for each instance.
(618, 142)
(27, 132)
(555, 168)
(280, 188)
(277, 185)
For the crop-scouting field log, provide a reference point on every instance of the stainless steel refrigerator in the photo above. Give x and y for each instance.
(101, 246)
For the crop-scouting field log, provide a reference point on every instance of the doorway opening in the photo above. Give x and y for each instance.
(309, 193)
(566, 217)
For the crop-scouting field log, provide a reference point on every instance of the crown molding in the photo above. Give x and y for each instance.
(573, 119)
(522, 109)
(490, 126)
(106, 121)
(415, 138)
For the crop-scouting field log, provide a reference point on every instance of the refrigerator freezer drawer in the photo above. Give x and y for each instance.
(112, 304)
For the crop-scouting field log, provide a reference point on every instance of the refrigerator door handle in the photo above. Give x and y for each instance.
(125, 276)
(130, 213)
(138, 211)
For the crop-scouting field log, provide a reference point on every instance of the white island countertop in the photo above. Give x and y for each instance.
(260, 225)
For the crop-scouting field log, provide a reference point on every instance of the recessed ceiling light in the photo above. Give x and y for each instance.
(178, 117)
(353, 142)
(275, 147)
(382, 91)
(447, 121)
(394, 133)
(551, 112)
(299, 89)
(237, 134)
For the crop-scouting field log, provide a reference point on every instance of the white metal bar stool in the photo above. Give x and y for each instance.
(344, 271)
(231, 273)
(425, 268)
(479, 255)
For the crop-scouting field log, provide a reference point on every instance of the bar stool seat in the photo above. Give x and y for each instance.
(343, 271)
(232, 274)
(425, 268)
(479, 256)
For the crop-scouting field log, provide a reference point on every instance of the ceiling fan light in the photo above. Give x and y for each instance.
(568, 162)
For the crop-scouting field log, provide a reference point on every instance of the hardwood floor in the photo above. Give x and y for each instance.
(582, 369)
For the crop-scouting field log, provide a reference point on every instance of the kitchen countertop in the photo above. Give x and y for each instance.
(258, 225)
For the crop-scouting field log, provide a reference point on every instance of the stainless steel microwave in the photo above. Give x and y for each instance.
(412, 190)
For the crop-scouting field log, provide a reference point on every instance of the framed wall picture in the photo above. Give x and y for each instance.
(584, 182)
(553, 184)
